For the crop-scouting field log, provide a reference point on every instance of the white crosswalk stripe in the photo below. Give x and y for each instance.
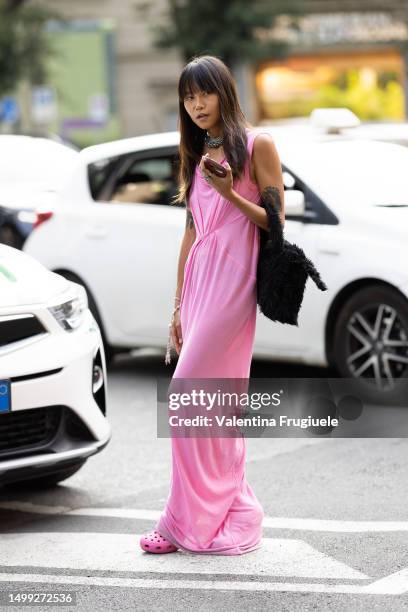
(270, 522)
(266, 569)
(213, 585)
(121, 552)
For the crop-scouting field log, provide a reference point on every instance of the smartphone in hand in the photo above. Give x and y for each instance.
(215, 167)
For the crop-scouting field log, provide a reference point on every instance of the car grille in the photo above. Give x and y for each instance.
(26, 429)
(16, 328)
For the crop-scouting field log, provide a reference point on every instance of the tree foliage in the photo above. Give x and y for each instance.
(24, 44)
(234, 30)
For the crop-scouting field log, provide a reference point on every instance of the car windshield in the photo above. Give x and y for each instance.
(362, 173)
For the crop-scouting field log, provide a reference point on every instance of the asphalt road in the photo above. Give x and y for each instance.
(335, 529)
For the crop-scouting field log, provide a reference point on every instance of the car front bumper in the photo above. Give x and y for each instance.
(58, 408)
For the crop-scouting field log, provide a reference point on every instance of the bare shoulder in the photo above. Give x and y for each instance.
(264, 144)
(265, 154)
(267, 164)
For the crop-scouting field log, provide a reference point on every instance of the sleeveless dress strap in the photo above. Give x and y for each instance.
(250, 142)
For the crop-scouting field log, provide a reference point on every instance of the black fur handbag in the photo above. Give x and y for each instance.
(282, 270)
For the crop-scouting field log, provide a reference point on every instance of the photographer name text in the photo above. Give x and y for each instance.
(253, 421)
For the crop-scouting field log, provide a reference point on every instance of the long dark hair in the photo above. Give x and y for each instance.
(209, 73)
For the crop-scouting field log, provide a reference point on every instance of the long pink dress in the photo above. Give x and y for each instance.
(211, 508)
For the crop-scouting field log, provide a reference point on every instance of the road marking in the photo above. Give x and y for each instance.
(270, 522)
(394, 584)
(121, 553)
(333, 525)
(214, 585)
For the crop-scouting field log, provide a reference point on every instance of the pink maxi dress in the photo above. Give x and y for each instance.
(211, 508)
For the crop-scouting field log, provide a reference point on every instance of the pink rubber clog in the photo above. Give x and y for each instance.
(155, 543)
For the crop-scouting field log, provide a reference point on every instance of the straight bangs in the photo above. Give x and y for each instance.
(196, 78)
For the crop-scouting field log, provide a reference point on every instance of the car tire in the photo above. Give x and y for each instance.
(110, 351)
(47, 480)
(361, 343)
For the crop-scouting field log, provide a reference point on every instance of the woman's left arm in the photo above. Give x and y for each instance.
(268, 173)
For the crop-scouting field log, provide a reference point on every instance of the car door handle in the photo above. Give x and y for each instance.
(96, 231)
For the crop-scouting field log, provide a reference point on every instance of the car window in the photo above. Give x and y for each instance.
(316, 211)
(151, 181)
(99, 173)
(291, 181)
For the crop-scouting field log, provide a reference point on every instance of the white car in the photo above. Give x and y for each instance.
(346, 204)
(32, 170)
(52, 374)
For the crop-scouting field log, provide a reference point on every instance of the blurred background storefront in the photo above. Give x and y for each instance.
(108, 80)
(357, 60)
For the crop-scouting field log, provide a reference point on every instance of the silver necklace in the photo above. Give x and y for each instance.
(213, 143)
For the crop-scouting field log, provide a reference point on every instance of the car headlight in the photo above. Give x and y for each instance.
(70, 313)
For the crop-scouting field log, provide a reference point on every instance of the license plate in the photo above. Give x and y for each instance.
(5, 396)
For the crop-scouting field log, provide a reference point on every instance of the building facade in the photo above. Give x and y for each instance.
(356, 58)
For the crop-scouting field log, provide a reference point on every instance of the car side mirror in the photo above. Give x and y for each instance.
(295, 204)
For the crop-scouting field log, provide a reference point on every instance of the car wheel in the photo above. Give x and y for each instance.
(371, 343)
(109, 349)
(47, 480)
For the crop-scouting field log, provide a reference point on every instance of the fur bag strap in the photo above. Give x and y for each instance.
(275, 232)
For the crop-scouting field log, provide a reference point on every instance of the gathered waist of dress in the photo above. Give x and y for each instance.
(220, 227)
(226, 245)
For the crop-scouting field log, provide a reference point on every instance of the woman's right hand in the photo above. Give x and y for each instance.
(175, 331)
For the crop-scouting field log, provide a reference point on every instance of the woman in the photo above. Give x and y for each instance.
(211, 508)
